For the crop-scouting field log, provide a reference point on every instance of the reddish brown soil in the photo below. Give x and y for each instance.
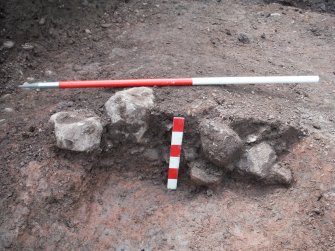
(55, 200)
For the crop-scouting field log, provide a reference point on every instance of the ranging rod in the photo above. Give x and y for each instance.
(172, 82)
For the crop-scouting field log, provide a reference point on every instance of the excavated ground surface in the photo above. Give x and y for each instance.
(54, 199)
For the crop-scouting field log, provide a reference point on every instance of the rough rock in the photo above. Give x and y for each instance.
(129, 111)
(205, 174)
(220, 144)
(243, 38)
(279, 174)
(260, 161)
(77, 130)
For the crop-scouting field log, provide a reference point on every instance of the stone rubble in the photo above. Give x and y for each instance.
(78, 130)
(260, 162)
(129, 111)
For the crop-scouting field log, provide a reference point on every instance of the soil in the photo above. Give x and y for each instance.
(116, 198)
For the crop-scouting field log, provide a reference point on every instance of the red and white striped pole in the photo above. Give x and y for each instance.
(172, 82)
(176, 142)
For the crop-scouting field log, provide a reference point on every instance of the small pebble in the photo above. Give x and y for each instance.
(243, 38)
(87, 31)
(251, 138)
(42, 21)
(27, 46)
(5, 97)
(106, 25)
(317, 126)
(30, 79)
(49, 73)
(8, 110)
(8, 44)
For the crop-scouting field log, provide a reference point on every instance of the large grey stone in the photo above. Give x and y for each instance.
(129, 111)
(77, 130)
(260, 162)
(220, 144)
(205, 174)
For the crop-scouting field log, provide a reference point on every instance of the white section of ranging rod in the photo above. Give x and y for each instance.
(177, 138)
(174, 162)
(41, 85)
(172, 184)
(255, 80)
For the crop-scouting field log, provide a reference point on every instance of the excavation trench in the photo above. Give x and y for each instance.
(149, 158)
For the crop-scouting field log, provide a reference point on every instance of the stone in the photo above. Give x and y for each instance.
(205, 174)
(330, 194)
(106, 25)
(317, 126)
(279, 174)
(28, 46)
(5, 97)
(42, 21)
(257, 160)
(78, 130)
(220, 144)
(129, 112)
(8, 110)
(252, 138)
(260, 162)
(8, 44)
(243, 38)
(49, 73)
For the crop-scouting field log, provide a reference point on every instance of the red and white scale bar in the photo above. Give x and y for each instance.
(172, 82)
(175, 150)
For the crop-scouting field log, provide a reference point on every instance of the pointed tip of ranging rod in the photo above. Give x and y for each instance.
(40, 85)
(28, 86)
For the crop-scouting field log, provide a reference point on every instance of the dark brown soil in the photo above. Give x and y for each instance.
(116, 198)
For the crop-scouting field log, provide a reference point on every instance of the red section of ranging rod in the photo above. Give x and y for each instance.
(125, 83)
